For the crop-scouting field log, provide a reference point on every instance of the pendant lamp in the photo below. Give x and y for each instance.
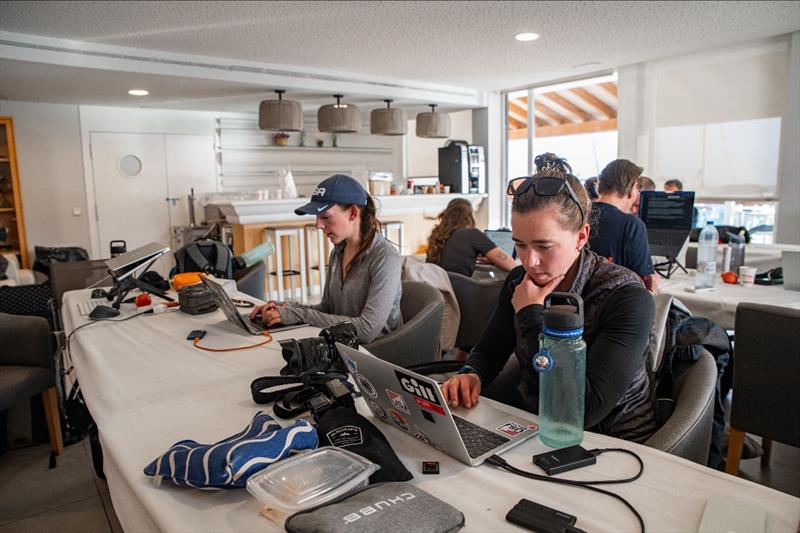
(280, 114)
(338, 117)
(433, 125)
(388, 121)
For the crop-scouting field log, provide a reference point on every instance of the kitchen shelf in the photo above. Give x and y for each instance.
(7, 209)
(5, 160)
(15, 240)
(314, 148)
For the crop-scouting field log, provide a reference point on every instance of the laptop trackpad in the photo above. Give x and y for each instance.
(487, 416)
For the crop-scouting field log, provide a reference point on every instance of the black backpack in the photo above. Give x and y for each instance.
(208, 255)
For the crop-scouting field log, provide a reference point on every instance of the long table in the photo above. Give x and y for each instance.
(147, 388)
(720, 304)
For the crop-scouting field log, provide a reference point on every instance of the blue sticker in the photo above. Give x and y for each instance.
(350, 364)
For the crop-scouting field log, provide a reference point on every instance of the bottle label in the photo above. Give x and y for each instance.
(562, 333)
(707, 267)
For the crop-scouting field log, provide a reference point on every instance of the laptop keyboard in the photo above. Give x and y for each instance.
(477, 440)
(84, 308)
(669, 237)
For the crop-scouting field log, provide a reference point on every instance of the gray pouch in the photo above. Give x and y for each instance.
(381, 507)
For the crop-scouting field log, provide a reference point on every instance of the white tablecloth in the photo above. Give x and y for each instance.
(720, 304)
(148, 388)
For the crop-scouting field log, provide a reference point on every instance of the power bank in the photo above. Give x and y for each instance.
(564, 460)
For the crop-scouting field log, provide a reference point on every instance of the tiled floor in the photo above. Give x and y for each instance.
(68, 498)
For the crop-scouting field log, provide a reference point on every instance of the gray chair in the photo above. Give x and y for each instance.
(766, 380)
(687, 432)
(27, 368)
(477, 299)
(251, 280)
(417, 340)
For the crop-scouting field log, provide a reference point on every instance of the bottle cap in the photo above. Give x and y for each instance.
(563, 316)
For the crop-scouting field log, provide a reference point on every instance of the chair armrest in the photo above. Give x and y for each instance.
(25, 341)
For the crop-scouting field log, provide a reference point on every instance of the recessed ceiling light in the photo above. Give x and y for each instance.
(138, 92)
(526, 36)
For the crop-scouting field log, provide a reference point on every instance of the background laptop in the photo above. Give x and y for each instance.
(414, 404)
(668, 217)
(502, 238)
(230, 311)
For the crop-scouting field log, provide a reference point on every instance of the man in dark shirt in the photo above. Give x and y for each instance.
(616, 234)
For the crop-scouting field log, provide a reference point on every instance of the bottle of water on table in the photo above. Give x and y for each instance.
(706, 257)
(561, 363)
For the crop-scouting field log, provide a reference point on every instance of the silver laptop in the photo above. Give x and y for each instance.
(240, 320)
(414, 404)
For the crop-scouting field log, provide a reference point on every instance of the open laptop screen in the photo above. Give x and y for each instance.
(667, 210)
(502, 238)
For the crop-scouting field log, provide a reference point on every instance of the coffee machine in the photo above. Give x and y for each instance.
(462, 166)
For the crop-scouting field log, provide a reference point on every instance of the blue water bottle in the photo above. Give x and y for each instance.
(561, 363)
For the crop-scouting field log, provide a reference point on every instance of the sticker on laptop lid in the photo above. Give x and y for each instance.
(512, 428)
(421, 436)
(425, 396)
(427, 416)
(398, 420)
(352, 365)
(345, 436)
(377, 410)
(397, 401)
(365, 386)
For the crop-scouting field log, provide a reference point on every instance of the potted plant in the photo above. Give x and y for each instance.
(281, 138)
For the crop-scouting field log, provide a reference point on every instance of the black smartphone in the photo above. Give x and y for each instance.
(564, 459)
(196, 334)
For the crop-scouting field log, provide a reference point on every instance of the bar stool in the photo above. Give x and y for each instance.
(292, 236)
(315, 240)
(396, 225)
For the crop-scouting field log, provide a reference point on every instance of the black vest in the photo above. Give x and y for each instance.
(633, 418)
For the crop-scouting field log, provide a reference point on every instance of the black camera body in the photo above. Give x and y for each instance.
(318, 354)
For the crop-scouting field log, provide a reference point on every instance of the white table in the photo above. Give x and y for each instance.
(720, 304)
(148, 388)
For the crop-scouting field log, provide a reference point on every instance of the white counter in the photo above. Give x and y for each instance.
(261, 211)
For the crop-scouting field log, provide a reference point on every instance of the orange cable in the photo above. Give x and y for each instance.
(265, 334)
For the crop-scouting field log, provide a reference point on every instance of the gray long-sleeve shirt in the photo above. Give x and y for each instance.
(369, 296)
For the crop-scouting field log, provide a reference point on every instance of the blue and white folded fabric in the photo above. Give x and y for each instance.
(229, 462)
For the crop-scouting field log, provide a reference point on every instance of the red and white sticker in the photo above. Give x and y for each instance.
(398, 420)
(512, 428)
(425, 404)
(397, 401)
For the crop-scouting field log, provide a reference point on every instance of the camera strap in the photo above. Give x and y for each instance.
(291, 401)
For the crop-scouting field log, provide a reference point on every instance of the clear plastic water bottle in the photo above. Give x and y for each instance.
(706, 257)
(561, 363)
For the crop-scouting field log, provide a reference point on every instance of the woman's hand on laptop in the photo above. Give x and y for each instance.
(270, 315)
(269, 306)
(462, 389)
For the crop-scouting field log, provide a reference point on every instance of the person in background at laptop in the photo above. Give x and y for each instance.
(550, 228)
(363, 283)
(455, 244)
(645, 184)
(675, 185)
(616, 234)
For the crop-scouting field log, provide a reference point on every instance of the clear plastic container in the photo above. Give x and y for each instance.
(309, 479)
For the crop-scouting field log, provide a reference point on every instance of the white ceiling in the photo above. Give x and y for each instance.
(462, 44)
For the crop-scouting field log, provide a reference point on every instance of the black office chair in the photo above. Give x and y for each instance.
(477, 299)
(766, 380)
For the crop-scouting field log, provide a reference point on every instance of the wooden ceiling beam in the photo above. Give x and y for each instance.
(569, 106)
(575, 129)
(611, 87)
(601, 106)
(550, 113)
(516, 124)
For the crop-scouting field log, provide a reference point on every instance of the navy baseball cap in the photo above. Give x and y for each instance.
(338, 189)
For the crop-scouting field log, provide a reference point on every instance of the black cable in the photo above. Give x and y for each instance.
(589, 485)
(71, 333)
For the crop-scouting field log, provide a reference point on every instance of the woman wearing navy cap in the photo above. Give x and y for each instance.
(363, 281)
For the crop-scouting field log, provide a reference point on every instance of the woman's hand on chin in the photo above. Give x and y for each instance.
(528, 293)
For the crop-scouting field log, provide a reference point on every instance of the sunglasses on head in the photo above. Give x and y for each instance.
(543, 186)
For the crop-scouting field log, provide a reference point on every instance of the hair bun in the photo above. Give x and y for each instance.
(550, 161)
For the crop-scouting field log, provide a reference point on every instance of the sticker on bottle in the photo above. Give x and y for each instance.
(397, 401)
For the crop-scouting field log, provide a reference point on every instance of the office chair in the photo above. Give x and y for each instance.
(766, 380)
(417, 340)
(477, 299)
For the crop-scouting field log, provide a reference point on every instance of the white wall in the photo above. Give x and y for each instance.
(789, 174)
(422, 155)
(51, 173)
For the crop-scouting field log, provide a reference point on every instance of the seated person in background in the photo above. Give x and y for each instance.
(549, 225)
(673, 185)
(363, 282)
(455, 244)
(591, 188)
(645, 184)
(616, 234)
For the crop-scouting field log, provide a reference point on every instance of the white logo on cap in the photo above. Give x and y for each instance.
(318, 191)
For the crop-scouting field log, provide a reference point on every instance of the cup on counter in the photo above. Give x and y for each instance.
(263, 194)
(446, 189)
(747, 276)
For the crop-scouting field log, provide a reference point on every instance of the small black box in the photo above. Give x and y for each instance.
(564, 460)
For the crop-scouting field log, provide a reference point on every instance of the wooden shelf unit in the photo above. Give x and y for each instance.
(11, 216)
